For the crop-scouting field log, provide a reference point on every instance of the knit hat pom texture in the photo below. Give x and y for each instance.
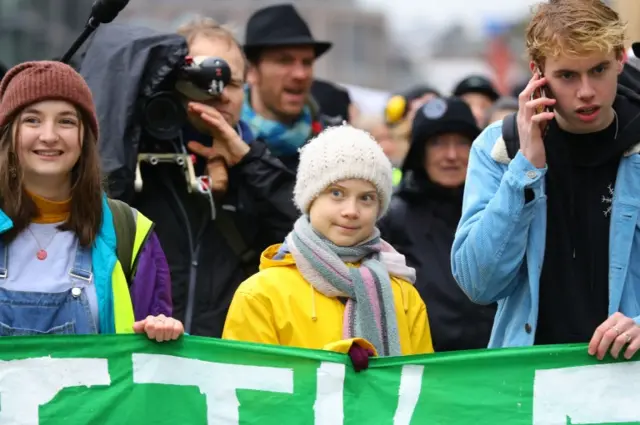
(342, 153)
(32, 82)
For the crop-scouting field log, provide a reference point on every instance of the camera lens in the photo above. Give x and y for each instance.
(163, 116)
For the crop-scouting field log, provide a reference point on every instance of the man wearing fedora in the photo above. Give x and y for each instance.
(278, 106)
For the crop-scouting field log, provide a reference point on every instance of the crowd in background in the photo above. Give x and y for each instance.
(420, 229)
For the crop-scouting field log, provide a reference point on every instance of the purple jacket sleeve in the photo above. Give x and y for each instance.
(151, 287)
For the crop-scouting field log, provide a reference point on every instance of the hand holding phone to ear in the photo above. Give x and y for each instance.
(533, 114)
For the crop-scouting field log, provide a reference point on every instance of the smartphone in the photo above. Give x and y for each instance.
(537, 94)
(540, 92)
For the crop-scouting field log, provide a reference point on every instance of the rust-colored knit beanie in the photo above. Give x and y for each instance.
(32, 82)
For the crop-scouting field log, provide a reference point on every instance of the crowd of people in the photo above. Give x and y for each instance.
(449, 222)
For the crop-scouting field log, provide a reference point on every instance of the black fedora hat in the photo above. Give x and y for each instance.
(279, 25)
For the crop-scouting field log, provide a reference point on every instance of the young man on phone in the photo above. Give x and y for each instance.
(551, 231)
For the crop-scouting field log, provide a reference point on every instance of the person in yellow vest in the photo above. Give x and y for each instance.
(397, 176)
(334, 280)
(59, 271)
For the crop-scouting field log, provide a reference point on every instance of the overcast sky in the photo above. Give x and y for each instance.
(440, 12)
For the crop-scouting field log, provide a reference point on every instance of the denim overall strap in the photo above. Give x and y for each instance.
(81, 277)
(81, 270)
(4, 260)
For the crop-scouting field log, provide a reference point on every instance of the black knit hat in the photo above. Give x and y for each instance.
(476, 84)
(439, 116)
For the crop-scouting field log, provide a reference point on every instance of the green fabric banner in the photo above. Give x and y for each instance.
(81, 380)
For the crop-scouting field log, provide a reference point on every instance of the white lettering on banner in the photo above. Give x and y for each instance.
(608, 393)
(328, 407)
(27, 384)
(217, 381)
(409, 393)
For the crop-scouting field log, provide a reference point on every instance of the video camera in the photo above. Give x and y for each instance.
(153, 126)
(164, 114)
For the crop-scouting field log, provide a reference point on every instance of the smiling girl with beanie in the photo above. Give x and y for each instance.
(59, 271)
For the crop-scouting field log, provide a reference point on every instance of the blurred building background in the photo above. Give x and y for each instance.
(39, 29)
(362, 53)
(373, 54)
(630, 10)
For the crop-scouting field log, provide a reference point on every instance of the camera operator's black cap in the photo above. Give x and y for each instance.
(277, 26)
(476, 84)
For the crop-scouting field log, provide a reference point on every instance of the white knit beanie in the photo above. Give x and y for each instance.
(341, 153)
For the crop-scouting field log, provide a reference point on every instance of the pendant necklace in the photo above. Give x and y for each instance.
(42, 251)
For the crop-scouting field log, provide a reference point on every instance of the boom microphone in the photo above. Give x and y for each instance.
(102, 12)
(105, 11)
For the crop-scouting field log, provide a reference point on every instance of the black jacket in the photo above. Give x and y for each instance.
(259, 202)
(421, 224)
(580, 183)
(124, 66)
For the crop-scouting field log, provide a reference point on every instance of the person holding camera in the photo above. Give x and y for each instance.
(217, 195)
(251, 193)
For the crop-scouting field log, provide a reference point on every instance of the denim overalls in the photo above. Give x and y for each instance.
(40, 313)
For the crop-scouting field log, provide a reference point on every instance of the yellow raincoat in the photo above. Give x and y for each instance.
(278, 306)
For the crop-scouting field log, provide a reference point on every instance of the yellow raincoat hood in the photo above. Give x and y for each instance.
(278, 306)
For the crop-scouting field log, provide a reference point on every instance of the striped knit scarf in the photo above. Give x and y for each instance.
(370, 312)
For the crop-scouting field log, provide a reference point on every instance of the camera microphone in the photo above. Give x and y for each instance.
(105, 11)
(102, 12)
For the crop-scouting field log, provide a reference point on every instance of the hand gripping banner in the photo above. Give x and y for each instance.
(114, 380)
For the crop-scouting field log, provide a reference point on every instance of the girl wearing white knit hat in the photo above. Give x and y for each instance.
(334, 281)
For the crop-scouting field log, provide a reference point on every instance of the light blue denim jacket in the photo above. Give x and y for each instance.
(497, 229)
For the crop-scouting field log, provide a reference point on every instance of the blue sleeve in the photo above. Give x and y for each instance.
(491, 238)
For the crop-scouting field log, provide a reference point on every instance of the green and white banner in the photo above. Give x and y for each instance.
(116, 380)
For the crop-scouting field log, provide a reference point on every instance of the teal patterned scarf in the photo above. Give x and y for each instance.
(282, 140)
